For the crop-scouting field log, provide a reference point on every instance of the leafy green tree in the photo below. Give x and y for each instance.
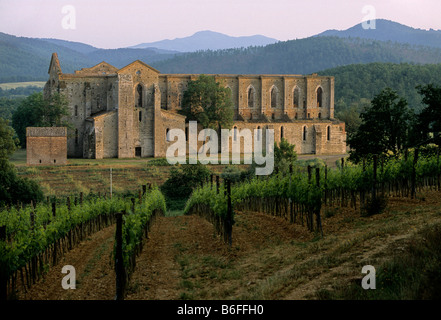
(351, 115)
(13, 188)
(429, 120)
(183, 179)
(35, 111)
(284, 155)
(209, 103)
(7, 141)
(27, 115)
(384, 129)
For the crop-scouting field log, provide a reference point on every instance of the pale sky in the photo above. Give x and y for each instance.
(115, 24)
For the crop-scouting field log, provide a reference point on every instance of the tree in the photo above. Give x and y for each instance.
(384, 128)
(429, 120)
(53, 111)
(351, 114)
(208, 103)
(183, 179)
(35, 111)
(13, 188)
(7, 141)
(284, 155)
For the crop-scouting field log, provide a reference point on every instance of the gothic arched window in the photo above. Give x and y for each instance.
(319, 97)
(296, 97)
(138, 96)
(273, 97)
(250, 97)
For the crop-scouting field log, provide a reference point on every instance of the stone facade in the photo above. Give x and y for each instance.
(127, 112)
(46, 145)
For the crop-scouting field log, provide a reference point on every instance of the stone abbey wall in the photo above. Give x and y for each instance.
(127, 112)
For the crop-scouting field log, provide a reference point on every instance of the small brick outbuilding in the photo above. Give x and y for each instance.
(46, 145)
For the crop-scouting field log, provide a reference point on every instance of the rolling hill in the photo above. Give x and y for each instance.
(386, 30)
(27, 59)
(208, 40)
(303, 56)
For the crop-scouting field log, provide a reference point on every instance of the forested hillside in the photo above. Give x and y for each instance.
(386, 30)
(27, 59)
(303, 56)
(354, 83)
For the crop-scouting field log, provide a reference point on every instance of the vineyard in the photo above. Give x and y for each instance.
(37, 236)
(299, 196)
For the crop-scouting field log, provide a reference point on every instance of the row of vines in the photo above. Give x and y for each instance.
(34, 237)
(299, 195)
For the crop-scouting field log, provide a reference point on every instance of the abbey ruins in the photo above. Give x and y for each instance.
(127, 112)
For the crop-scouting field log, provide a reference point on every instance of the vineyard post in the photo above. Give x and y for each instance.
(211, 177)
(54, 208)
(133, 205)
(54, 211)
(415, 160)
(382, 174)
(319, 202)
(217, 184)
(342, 191)
(140, 196)
(110, 183)
(362, 190)
(144, 189)
(32, 214)
(119, 262)
(68, 203)
(326, 184)
(374, 186)
(437, 165)
(291, 204)
(81, 198)
(3, 268)
(229, 214)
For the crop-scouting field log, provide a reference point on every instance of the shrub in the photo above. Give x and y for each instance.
(183, 179)
(374, 206)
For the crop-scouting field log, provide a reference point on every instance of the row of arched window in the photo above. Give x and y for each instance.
(274, 97)
(305, 133)
(250, 96)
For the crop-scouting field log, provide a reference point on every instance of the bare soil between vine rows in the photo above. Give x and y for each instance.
(269, 258)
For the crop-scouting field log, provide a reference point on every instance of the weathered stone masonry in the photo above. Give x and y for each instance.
(46, 145)
(127, 112)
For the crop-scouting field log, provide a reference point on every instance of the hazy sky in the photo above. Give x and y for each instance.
(114, 24)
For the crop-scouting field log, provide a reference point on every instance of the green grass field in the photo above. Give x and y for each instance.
(14, 85)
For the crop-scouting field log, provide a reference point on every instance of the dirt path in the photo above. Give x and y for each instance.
(95, 276)
(184, 259)
(158, 268)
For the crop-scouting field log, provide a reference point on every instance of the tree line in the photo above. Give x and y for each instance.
(389, 127)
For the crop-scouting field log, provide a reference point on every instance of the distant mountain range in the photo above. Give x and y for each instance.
(27, 59)
(386, 30)
(208, 40)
